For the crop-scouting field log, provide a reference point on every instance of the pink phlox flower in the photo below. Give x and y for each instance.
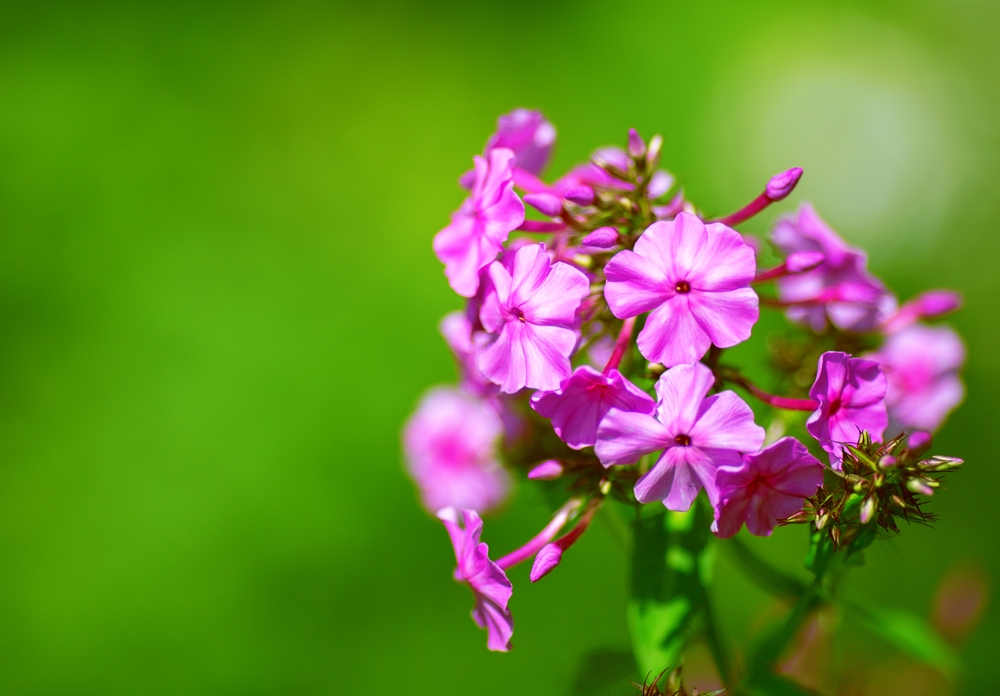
(697, 435)
(841, 289)
(481, 225)
(695, 281)
(488, 582)
(464, 342)
(450, 448)
(921, 366)
(531, 312)
(767, 486)
(528, 134)
(583, 399)
(850, 392)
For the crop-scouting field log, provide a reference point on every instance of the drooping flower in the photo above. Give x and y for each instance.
(841, 288)
(695, 281)
(488, 582)
(921, 365)
(697, 435)
(531, 311)
(850, 392)
(450, 448)
(768, 485)
(481, 225)
(584, 398)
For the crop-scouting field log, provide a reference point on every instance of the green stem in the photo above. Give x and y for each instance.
(763, 573)
(719, 652)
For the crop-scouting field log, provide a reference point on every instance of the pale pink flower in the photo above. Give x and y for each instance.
(584, 398)
(528, 135)
(695, 281)
(840, 289)
(450, 448)
(850, 392)
(481, 225)
(697, 435)
(488, 582)
(531, 312)
(767, 486)
(921, 365)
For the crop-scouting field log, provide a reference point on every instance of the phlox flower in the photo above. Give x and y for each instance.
(840, 288)
(768, 485)
(921, 366)
(850, 393)
(531, 310)
(697, 435)
(488, 582)
(584, 398)
(450, 448)
(481, 225)
(457, 330)
(695, 281)
(528, 135)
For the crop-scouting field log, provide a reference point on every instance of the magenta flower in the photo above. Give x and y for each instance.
(921, 365)
(696, 434)
(481, 225)
(450, 448)
(840, 289)
(850, 393)
(489, 584)
(769, 485)
(695, 281)
(531, 311)
(464, 343)
(528, 135)
(584, 398)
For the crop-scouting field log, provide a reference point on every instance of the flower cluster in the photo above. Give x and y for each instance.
(591, 349)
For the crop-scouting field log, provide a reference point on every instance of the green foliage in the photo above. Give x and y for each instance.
(909, 633)
(671, 567)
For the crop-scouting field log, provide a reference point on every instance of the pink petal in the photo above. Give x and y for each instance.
(548, 558)
(727, 317)
(635, 284)
(557, 298)
(497, 621)
(725, 421)
(725, 262)
(623, 437)
(672, 334)
(680, 391)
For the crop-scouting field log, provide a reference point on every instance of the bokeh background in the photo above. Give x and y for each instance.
(218, 302)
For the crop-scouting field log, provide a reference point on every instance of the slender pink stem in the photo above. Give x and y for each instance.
(542, 538)
(747, 211)
(771, 274)
(782, 401)
(621, 345)
(528, 182)
(570, 538)
(540, 226)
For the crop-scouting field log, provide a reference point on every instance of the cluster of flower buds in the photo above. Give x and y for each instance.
(591, 350)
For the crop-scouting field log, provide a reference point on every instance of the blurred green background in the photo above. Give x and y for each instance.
(218, 302)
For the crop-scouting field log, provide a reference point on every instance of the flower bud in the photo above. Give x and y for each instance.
(636, 146)
(919, 439)
(919, 486)
(659, 184)
(802, 261)
(783, 184)
(613, 157)
(868, 509)
(934, 303)
(605, 486)
(822, 519)
(581, 195)
(887, 461)
(547, 470)
(602, 238)
(653, 153)
(545, 203)
(548, 558)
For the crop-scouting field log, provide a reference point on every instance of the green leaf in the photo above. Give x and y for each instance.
(911, 634)
(778, 685)
(671, 564)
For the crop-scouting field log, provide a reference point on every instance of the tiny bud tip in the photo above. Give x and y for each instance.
(783, 184)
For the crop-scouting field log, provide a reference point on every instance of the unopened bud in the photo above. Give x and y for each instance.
(887, 461)
(659, 184)
(626, 204)
(934, 303)
(802, 261)
(653, 153)
(835, 533)
(899, 502)
(868, 509)
(919, 439)
(636, 146)
(939, 463)
(821, 521)
(548, 558)
(545, 203)
(605, 486)
(602, 238)
(783, 184)
(547, 470)
(581, 195)
(919, 486)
